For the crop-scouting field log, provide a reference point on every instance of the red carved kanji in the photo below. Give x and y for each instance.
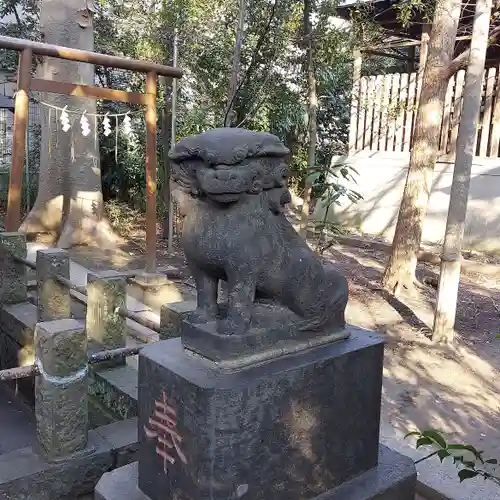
(163, 428)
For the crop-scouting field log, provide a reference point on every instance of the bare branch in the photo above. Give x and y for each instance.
(16, 14)
(254, 59)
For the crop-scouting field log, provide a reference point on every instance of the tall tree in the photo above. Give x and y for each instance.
(312, 111)
(69, 203)
(400, 271)
(440, 67)
(444, 320)
(235, 70)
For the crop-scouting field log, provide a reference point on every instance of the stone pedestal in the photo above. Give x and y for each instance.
(302, 426)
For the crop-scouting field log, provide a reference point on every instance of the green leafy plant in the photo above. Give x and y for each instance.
(331, 192)
(470, 461)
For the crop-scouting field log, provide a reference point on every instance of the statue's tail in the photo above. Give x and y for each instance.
(330, 313)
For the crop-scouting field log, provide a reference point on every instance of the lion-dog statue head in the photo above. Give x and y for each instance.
(243, 163)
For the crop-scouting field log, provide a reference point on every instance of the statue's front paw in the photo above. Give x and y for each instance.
(203, 315)
(226, 327)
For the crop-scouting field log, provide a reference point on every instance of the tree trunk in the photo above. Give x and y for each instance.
(235, 71)
(400, 271)
(69, 203)
(166, 126)
(449, 279)
(312, 101)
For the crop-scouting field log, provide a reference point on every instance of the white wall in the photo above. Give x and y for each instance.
(381, 182)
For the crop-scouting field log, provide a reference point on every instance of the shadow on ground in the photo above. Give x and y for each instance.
(454, 389)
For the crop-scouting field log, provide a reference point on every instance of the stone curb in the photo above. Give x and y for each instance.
(25, 475)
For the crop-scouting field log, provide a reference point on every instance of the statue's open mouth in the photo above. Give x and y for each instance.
(224, 197)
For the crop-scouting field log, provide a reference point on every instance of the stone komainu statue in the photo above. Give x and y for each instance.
(231, 185)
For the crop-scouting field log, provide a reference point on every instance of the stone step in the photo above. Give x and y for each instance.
(17, 421)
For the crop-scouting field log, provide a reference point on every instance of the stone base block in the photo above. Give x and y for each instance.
(290, 428)
(258, 344)
(394, 478)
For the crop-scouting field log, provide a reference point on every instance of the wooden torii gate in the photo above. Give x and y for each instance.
(25, 84)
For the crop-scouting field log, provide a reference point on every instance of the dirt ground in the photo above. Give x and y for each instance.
(451, 388)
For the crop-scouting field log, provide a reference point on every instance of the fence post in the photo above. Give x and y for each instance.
(106, 295)
(54, 299)
(13, 279)
(61, 404)
(355, 103)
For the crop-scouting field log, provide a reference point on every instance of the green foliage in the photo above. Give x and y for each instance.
(407, 11)
(470, 461)
(122, 217)
(329, 187)
(271, 91)
(22, 22)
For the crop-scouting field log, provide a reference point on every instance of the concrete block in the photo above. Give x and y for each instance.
(18, 322)
(116, 389)
(26, 475)
(155, 290)
(17, 327)
(393, 478)
(122, 438)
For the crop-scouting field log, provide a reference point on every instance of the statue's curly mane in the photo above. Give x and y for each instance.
(227, 146)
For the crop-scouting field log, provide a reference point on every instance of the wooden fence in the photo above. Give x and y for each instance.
(383, 114)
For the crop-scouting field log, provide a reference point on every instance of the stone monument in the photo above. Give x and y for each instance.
(267, 395)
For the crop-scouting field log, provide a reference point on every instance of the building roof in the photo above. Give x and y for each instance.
(351, 3)
(384, 14)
